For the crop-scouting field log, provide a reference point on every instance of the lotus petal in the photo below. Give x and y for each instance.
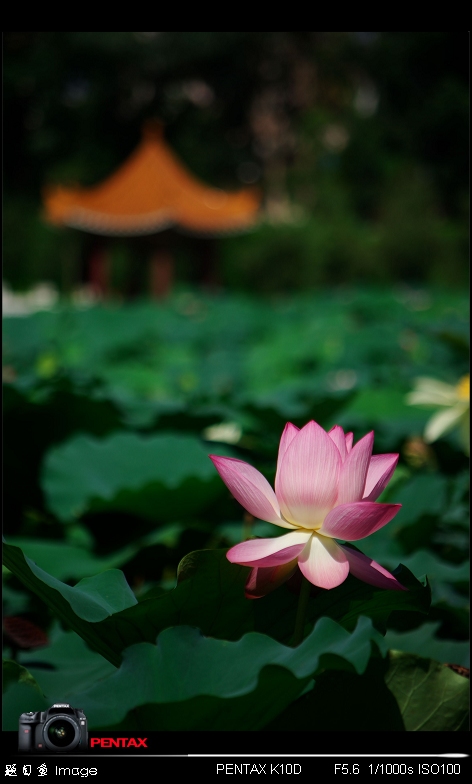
(370, 571)
(308, 477)
(444, 421)
(289, 433)
(352, 476)
(357, 520)
(431, 392)
(349, 440)
(262, 580)
(337, 435)
(379, 473)
(269, 552)
(323, 562)
(250, 488)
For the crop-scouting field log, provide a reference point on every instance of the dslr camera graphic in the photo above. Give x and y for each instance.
(60, 728)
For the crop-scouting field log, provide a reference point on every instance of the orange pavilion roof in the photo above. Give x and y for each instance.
(150, 192)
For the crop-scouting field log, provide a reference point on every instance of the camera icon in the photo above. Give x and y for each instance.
(61, 728)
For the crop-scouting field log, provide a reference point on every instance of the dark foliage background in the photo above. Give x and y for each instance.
(359, 142)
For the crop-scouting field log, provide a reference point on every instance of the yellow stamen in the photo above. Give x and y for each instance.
(463, 388)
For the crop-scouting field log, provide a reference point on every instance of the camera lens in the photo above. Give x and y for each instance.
(62, 733)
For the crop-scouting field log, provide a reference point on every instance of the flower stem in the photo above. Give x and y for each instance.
(301, 612)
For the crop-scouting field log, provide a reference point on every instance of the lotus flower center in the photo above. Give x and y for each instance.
(308, 527)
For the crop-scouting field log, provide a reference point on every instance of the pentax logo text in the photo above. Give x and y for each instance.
(118, 743)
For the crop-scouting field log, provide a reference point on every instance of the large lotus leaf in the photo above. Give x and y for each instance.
(209, 595)
(15, 673)
(82, 607)
(226, 613)
(402, 692)
(423, 641)
(100, 608)
(422, 562)
(366, 702)
(40, 424)
(67, 665)
(64, 561)
(191, 682)
(441, 574)
(67, 561)
(21, 693)
(161, 477)
(430, 695)
(274, 613)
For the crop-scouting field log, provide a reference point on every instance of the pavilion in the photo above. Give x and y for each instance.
(151, 192)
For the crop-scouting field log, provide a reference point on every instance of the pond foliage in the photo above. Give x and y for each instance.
(119, 593)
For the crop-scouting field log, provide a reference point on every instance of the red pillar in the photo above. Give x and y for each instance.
(99, 270)
(161, 273)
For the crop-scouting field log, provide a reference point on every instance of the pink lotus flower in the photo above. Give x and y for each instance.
(325, 489)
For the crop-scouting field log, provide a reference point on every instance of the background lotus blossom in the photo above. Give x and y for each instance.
(453, 404)
(325, 489)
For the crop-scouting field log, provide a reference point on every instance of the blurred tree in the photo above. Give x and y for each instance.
(412, 102)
